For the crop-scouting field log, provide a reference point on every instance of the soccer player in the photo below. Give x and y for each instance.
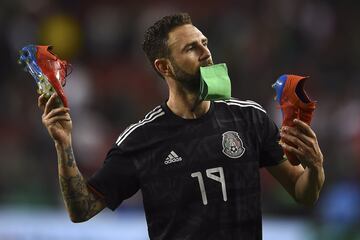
(196, 162)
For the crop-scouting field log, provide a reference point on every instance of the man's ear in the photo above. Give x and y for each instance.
(162, 65)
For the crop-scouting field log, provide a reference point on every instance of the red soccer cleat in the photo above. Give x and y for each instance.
(47, 69)
(294, 103)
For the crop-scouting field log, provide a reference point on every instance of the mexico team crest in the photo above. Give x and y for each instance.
(232, 144)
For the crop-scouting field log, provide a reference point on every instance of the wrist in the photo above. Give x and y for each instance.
(63, 144)
(316, 168)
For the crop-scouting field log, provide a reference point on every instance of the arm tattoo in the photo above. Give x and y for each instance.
(81, 203)
(70, 161)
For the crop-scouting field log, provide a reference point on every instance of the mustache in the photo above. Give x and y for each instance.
(206, 63)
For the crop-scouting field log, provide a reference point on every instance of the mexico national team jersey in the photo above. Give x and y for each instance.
(200, 177)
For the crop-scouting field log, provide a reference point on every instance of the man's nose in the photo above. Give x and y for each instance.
(205, 53)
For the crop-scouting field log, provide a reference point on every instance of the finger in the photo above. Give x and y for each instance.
(308, 131)
(298, 152)
(295, 141)
(290, 149)
(296, 133)
(305, 128)
(57, 111)
(58, 119)
(299, 148)
(42, 101)
(50, 103)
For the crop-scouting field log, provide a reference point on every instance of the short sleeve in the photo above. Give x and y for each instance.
(116, 180)
(271, 152)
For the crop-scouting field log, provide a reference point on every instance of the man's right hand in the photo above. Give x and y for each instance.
(56, 119)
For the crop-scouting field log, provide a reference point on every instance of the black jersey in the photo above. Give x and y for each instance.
(199, 177)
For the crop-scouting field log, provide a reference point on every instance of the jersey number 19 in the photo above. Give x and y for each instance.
(210, 174)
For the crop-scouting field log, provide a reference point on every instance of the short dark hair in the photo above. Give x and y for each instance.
(156, 37)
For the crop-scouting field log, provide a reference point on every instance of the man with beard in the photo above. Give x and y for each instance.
(196, 162)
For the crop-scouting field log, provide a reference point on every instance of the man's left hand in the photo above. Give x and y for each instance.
(305, 144)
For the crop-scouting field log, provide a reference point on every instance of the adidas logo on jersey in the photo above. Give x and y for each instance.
(172, 157)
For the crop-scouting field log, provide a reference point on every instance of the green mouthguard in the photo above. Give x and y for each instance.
(215, 82)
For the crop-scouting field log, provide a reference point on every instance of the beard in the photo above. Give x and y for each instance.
(190, 82)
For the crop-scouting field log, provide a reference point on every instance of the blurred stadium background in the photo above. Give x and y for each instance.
(112, 85)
